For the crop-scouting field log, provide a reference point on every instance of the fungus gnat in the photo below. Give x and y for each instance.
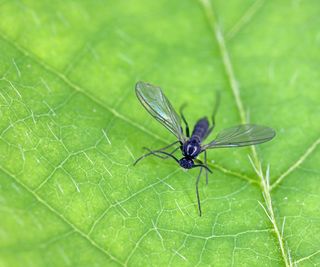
(156, 103)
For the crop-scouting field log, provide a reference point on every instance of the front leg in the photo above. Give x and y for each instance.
(152, 152)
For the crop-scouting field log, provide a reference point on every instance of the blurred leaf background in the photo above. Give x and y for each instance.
(71, 128)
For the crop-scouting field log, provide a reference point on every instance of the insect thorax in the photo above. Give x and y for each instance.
(191, 148)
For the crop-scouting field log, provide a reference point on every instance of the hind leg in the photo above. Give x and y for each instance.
(184, 120)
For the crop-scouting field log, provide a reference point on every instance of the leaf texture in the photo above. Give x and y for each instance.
(71, 127)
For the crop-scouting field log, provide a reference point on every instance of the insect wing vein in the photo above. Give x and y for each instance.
(242, 135)
(156, 103)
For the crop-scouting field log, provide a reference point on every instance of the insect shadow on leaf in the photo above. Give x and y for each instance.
(157, 104)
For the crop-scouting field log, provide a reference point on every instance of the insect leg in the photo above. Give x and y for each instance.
(197, 191)
(216, 106)
(201, 165)
(213, 120)
(155, 152)
(148, 154)
(165, 153)
(184, 120)
(208, 132)
(205, 163)
(168, 146)
(163, 157)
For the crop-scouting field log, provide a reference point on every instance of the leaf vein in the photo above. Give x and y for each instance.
(245, 19)
(295, 165)
(112, 110)
(70, 224)
(211, 18)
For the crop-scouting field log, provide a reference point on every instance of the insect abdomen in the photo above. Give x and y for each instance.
(200, 129)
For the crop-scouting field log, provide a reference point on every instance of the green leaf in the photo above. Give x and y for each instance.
(71, 128)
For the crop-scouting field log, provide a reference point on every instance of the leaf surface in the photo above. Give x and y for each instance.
(71, 127)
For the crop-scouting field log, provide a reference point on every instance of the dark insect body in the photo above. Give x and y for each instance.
(192, 148)
(156, 103)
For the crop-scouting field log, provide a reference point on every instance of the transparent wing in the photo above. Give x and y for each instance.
(242, 135)
(156, 103)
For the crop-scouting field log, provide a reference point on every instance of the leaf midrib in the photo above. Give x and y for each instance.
(214, 25)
